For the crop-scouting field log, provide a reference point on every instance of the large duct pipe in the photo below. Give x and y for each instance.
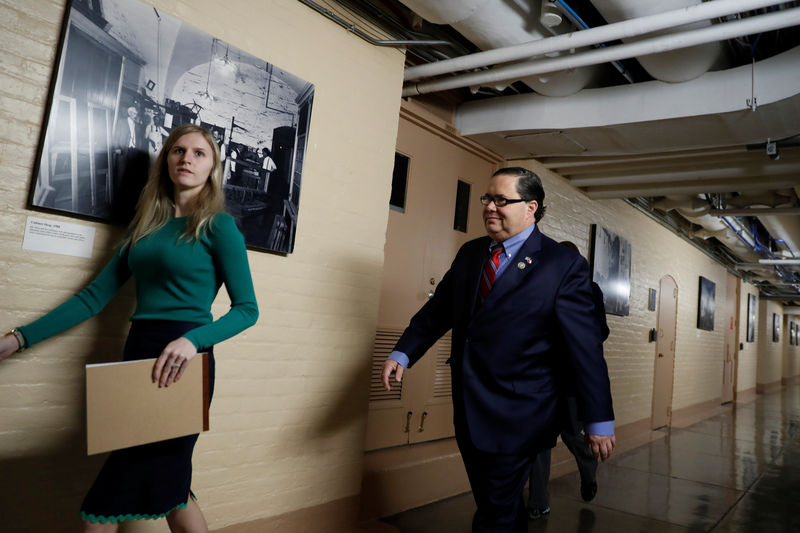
(718, 32)
(493, 24)
(579, 39)
(673, 66)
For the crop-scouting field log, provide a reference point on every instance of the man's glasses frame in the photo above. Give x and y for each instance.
(499, 201)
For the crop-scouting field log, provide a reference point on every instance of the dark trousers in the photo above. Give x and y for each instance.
(572, 436)
(497, 482)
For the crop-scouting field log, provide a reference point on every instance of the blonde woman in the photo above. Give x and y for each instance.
(180, 247)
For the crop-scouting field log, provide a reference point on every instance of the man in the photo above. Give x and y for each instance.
(131, 166)
(571, 432)
(508, 308)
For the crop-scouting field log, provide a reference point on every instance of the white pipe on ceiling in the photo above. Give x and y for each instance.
(718, 32)
(490, 24)
(673, 66)
(600, 34)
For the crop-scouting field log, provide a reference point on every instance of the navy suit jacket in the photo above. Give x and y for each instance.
(506, 353)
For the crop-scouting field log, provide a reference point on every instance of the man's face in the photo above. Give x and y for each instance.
(505, 222)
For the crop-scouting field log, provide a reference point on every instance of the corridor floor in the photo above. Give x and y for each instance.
(736, 472)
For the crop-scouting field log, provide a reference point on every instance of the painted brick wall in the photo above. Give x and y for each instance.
(290, 403)
(770, 352)
(748, 356)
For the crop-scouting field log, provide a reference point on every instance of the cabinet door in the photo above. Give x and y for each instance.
(421, 242)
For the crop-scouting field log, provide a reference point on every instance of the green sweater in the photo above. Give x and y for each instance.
(175, 280)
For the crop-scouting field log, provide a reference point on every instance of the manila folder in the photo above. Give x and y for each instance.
(125, 408)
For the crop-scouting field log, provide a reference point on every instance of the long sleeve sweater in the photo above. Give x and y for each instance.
(176, 279)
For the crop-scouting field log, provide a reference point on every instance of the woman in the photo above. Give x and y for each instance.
(180, 247)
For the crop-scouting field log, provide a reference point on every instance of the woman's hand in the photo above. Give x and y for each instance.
(172, 362)
(8, 346)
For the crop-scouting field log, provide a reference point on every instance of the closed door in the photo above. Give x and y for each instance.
(665, 352)
(731, 336)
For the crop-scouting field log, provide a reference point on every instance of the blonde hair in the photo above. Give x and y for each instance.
(156, 204)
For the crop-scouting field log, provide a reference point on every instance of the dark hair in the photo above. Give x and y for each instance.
(529, 187)
(571, 245)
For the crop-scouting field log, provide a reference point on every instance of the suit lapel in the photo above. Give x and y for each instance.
(518, 270)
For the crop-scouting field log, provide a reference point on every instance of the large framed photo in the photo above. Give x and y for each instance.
(611, 269)
(705, 304)
(126, 75)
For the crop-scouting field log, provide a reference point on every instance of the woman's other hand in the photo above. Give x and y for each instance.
(172, 362)
(9, 345)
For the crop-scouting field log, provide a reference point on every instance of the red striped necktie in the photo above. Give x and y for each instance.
(490, 271)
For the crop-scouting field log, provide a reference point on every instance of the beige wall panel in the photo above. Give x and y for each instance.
(289, 408)
(748, 356)
(770, 353)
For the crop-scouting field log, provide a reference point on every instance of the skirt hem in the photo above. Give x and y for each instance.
(91, 517)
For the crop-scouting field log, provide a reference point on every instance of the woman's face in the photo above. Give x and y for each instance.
(190, 161)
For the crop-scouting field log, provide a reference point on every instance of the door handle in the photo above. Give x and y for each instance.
(408, 422)
(422, 422)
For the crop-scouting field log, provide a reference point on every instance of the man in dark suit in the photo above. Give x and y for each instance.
(509, 299)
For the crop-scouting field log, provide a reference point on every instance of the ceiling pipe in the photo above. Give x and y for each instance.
(600, 34)
(675, 41)
(491, 24)
(755, 211)
(675, 66)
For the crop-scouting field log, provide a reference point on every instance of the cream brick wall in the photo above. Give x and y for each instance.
(770, 353)
(290, 403)
(656, 252)
(791, 352)
(748, 356)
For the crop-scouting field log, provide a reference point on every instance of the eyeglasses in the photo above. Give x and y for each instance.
(499, 201)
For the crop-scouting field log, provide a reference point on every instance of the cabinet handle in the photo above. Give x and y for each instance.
(422, 422)
(408, 422)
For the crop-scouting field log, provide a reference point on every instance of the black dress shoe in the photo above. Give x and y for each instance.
(588, 491)
(535, 514)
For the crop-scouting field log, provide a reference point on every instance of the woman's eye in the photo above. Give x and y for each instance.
(199, 153)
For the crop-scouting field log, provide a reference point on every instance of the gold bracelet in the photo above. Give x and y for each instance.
(20, 338)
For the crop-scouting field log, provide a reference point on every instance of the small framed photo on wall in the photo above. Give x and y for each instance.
(751, 318)
(776, 327)
(705, 304)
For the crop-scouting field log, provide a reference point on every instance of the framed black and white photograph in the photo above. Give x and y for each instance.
(751, 318)
(792, 333)
(126, 75)
(776, 327)
(705, 304)
(611, 269)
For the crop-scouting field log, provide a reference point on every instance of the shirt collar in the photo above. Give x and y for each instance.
(512, 245)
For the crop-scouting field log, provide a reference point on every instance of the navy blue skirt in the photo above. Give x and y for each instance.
(148, 481)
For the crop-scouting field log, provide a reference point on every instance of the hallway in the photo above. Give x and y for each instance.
(738, 471)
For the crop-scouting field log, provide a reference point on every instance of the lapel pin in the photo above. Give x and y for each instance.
(528, 260)
(521, 265)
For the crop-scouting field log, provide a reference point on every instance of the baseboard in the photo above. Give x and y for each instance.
(746, 396)
(790, 380)
(338, 516)
(686, 416)
(766, 388)
(405, 477)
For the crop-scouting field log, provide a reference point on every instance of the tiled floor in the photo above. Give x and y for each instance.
(734, 473)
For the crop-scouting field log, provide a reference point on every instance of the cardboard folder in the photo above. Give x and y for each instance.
(125, 408)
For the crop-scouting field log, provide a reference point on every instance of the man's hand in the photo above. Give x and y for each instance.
(601, 445)
(388, 367)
